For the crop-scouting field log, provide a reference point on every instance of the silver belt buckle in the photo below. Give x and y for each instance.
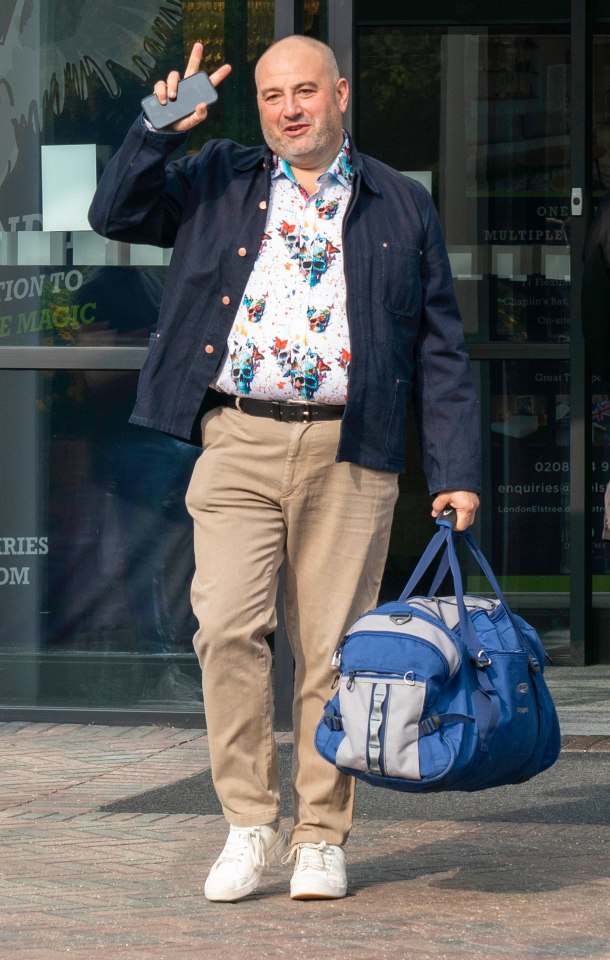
(307, 414)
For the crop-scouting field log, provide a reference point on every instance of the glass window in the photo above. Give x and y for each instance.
(530, 472)
(601, 111)
(601, 477)
(96, 552)
(71, 79)
(600, 421)
(483, 112)
(485, 120)
(95, 542)
(530, 487)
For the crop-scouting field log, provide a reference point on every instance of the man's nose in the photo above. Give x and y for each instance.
(292, 107)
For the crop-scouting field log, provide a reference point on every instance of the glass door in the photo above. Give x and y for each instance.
(482, 114)
(96, 551)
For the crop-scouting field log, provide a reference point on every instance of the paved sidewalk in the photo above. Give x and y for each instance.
(78, 882)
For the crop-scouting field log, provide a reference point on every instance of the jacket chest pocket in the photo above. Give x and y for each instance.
(401, 279)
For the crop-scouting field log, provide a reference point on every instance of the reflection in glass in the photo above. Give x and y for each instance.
(600, 145)
(95, 547)
(530, 416)
(72, 74)
(488, 111)
(95, 543)
(600, 425)
(530, 490)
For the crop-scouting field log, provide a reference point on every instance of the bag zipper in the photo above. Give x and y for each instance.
(408, 678)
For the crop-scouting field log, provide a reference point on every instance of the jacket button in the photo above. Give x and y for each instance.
(209, 348)
(263, 205)
(226, 300)
(242, 252)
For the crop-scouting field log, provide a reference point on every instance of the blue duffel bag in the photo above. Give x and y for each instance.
(441, 693)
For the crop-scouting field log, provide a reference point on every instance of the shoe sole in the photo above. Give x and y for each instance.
(303, 892)
(317, 896)
(231, 896)
(234, 895)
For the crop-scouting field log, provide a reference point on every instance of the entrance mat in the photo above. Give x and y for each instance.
(575, 790)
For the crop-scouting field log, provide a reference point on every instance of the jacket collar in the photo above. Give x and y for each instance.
(250, 157)
(361, 168)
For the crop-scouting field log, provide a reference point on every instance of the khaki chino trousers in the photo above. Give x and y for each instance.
(263, 492)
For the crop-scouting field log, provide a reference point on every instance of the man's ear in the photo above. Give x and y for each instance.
(342, 91)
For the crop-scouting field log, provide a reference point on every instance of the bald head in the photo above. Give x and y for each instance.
(284, 48)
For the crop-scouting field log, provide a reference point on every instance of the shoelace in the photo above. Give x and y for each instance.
(312, 856)
(243, 841)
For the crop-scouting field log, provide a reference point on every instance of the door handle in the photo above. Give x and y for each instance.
(576, 201)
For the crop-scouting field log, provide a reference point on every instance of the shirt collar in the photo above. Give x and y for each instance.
(341, 167)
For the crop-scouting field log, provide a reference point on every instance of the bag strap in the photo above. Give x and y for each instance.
(445, 521)
(425, 561)
(447, 538)
(441, 572)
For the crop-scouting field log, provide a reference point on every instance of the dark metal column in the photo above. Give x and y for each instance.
(342, 39)
(581, 644)
(288, 18)
(240, 123)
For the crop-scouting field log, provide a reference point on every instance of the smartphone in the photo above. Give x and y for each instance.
(195, 89)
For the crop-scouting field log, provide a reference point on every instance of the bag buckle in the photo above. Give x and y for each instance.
(481, 660)
(429, 725)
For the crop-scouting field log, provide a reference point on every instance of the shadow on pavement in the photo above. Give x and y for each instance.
(575, 791)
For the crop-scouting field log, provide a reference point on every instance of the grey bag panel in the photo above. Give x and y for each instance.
(383, 623)
(363, 701)
(402, 730)
(445, 608)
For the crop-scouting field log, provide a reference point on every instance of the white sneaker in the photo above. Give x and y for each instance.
(239, 868)
(319, 872)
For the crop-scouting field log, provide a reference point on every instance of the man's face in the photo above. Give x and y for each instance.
(301, 105)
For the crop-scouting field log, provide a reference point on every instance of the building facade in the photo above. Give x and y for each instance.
(505, 118)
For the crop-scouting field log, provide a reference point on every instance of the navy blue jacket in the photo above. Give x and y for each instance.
(405, 328)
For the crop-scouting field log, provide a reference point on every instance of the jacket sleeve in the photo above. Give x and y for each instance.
(140, 197)
(595, 301)
(445, 400)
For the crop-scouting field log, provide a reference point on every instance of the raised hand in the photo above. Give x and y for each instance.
(167, 89)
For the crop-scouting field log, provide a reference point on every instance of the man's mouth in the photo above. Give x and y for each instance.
(295, 129)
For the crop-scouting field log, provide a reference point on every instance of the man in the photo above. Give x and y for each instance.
(309, 297)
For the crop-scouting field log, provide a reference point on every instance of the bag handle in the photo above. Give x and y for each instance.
(446, 537)
(445, 521)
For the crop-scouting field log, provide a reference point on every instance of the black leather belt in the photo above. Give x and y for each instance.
(295, 412)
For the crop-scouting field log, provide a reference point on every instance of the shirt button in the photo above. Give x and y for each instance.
(242, 252)
(226, 300)
(263, 205)
(209, 348)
